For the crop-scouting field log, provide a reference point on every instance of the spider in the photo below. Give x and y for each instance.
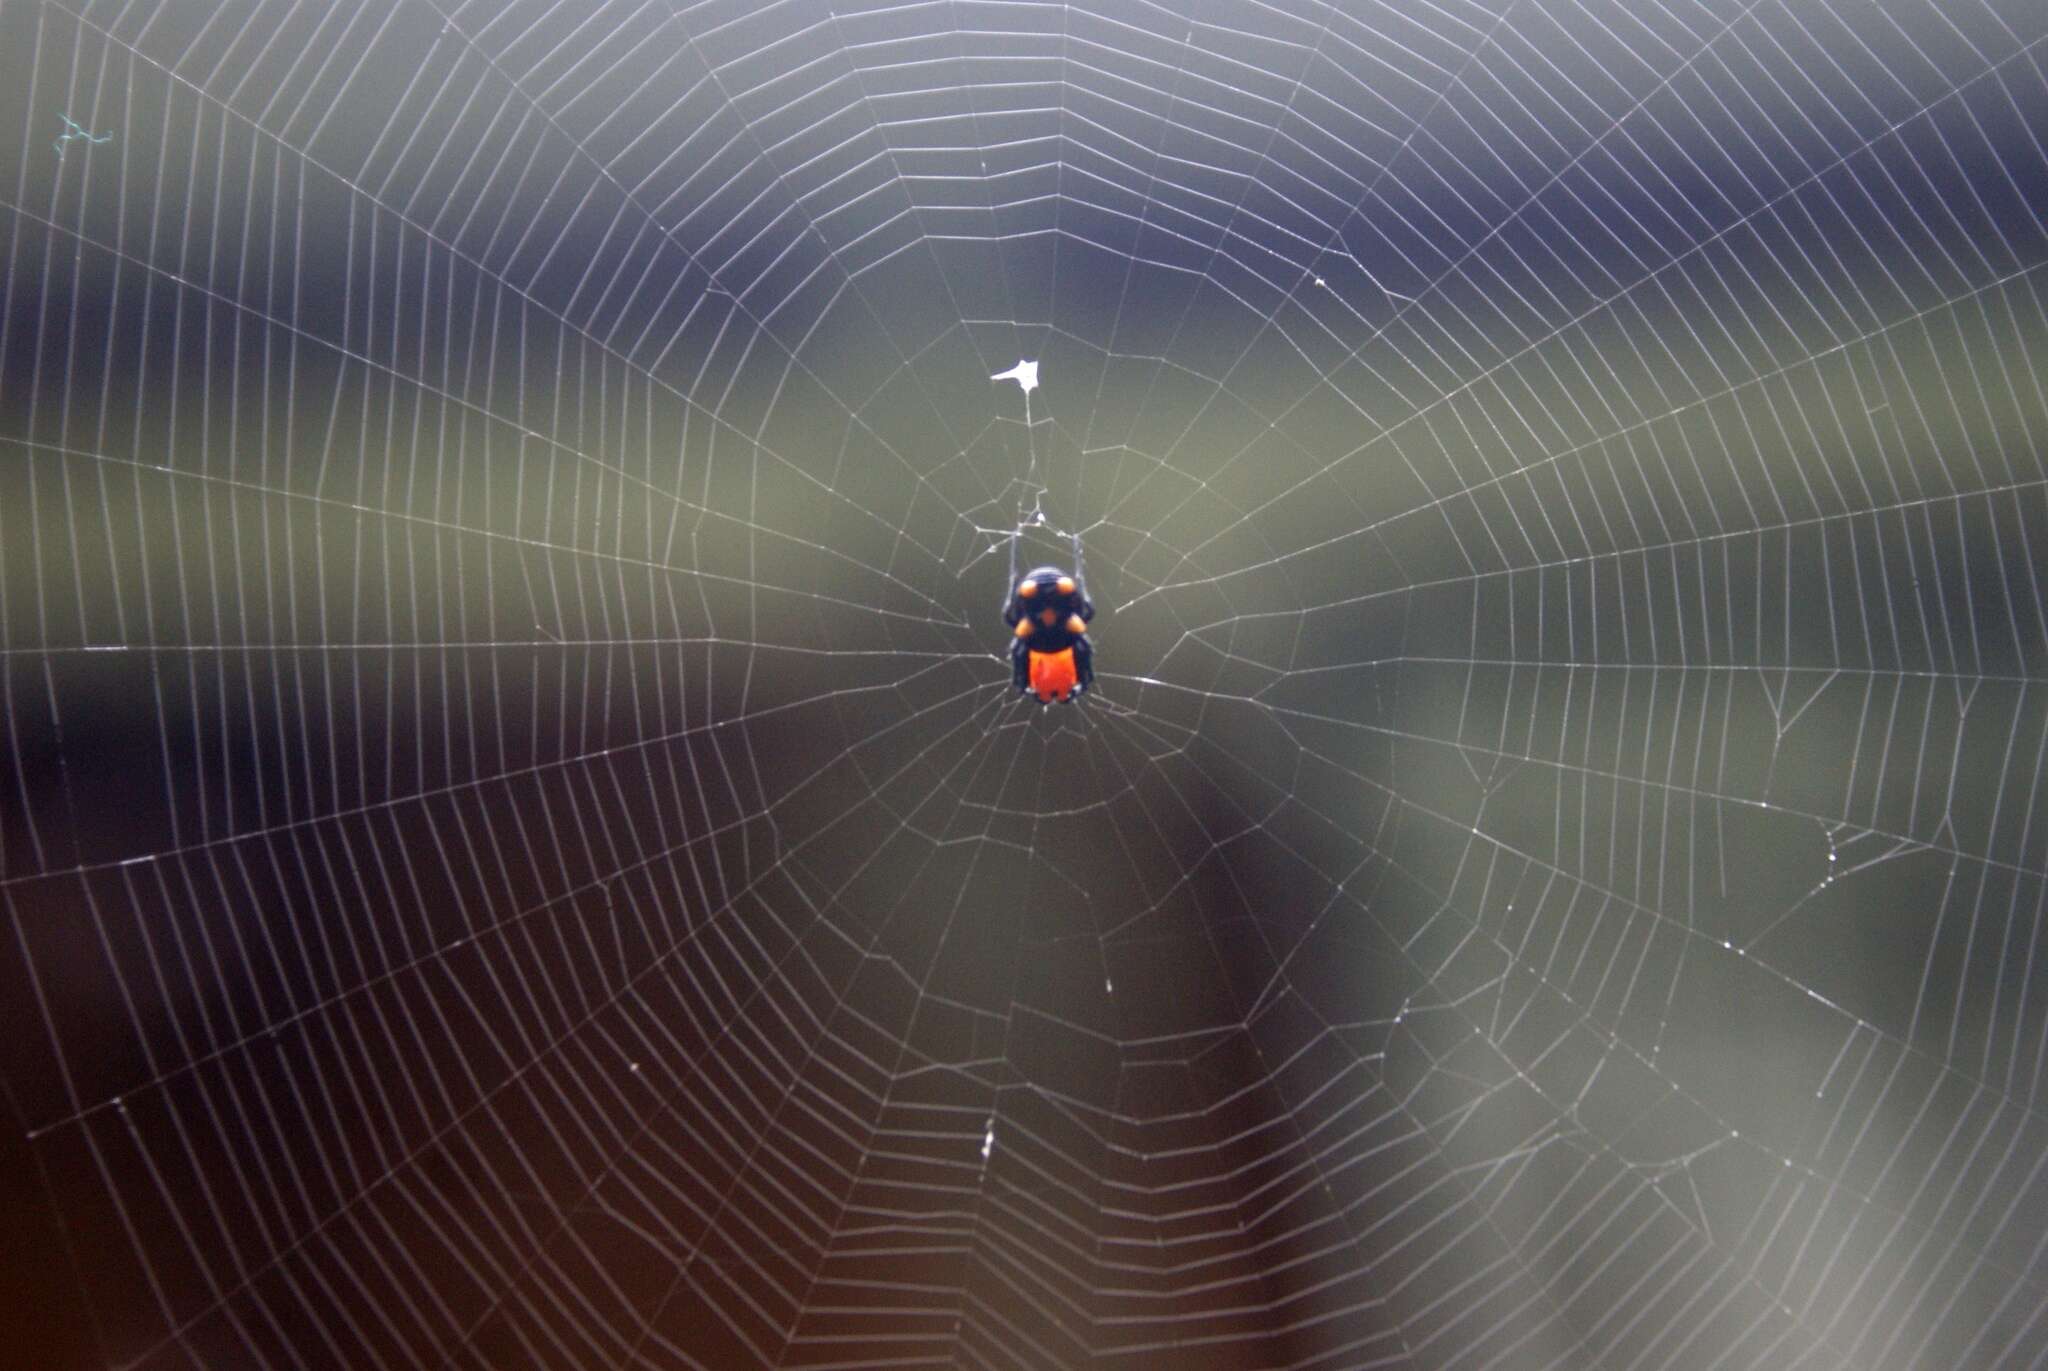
(1049, 613)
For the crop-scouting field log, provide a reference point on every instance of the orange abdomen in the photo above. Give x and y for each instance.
(1052, 674)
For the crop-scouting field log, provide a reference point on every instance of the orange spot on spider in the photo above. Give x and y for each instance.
(1048, 616)
(1052, 675)
(1066, 585)
(1023, 628)
(1028, 589)
(1075, 625)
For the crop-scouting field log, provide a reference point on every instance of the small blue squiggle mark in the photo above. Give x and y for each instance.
(77, 132)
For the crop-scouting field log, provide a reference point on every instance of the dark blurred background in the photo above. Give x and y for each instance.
(517, 848)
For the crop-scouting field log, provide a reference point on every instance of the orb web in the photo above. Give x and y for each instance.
(520, 850)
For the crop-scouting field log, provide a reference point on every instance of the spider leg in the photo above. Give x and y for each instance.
(1084, 665)
(1020, 665)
